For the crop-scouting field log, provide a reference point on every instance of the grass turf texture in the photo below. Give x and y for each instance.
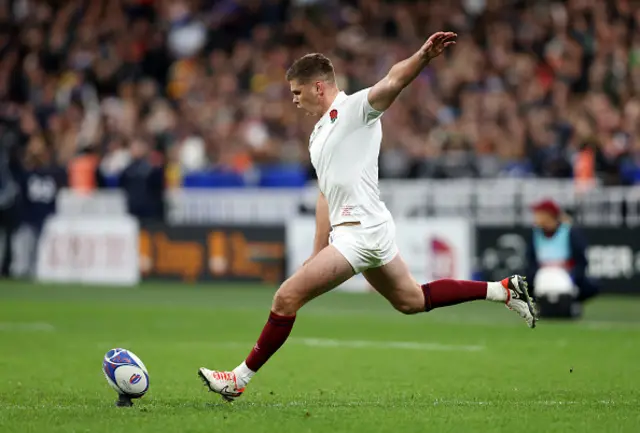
(353, 364)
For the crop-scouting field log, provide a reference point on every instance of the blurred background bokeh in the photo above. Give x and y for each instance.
(177, 113)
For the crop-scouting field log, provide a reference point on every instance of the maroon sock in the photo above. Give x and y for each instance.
(273, 336)
(442, 293)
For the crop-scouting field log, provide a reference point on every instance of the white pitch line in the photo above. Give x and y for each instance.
(368, 344)
(26, 327)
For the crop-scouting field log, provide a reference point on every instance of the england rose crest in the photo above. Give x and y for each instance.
(333, 115)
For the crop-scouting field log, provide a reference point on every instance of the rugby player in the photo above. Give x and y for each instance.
(355, 233)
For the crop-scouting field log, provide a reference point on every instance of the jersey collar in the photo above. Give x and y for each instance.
(341, 96)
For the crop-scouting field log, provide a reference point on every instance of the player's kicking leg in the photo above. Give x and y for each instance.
(396, 284)
(324, 272)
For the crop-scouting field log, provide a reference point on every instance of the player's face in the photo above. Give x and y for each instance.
(307, 96)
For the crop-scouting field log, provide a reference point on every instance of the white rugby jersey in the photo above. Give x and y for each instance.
(344, 148)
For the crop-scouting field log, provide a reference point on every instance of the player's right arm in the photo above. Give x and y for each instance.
(323, 226)
(383, 93)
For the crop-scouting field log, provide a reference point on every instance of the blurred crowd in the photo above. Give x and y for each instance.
(140, 93)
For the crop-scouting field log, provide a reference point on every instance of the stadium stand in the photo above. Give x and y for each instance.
(532, 89)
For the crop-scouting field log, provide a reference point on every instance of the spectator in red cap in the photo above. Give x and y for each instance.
(547, 214)
(557, 244)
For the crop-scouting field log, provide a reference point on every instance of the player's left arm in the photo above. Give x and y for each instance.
(323, 227)
(383, 93)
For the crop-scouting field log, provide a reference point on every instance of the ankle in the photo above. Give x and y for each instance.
(497, 292)
(243, 374)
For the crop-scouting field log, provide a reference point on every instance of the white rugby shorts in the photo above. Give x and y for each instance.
(366, 247)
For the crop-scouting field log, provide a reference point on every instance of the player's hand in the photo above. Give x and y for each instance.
(436, 44)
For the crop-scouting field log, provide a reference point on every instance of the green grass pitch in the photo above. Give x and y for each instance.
(352, 364)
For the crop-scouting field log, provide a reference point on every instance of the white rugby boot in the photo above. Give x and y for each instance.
(518, 299)
(224, 383)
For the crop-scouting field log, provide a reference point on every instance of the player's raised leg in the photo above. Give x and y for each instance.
(395, 282)
(322, 273)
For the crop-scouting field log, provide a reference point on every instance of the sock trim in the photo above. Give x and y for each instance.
(278, 320)
(426, 290)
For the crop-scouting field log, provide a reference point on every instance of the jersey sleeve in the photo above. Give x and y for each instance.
(367, 113)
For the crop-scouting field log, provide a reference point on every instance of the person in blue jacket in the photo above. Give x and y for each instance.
(556, 242)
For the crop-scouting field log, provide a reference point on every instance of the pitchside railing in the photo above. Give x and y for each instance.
(502, 202)
(486, 202)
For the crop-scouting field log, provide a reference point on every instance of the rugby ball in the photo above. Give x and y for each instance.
(125, 373)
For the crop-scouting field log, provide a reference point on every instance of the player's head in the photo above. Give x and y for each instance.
(311, 79)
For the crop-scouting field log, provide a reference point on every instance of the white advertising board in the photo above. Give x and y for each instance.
(89, 249)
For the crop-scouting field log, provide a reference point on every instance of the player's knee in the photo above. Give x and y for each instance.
(410, 303)
(408, 307)
(285, 301)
